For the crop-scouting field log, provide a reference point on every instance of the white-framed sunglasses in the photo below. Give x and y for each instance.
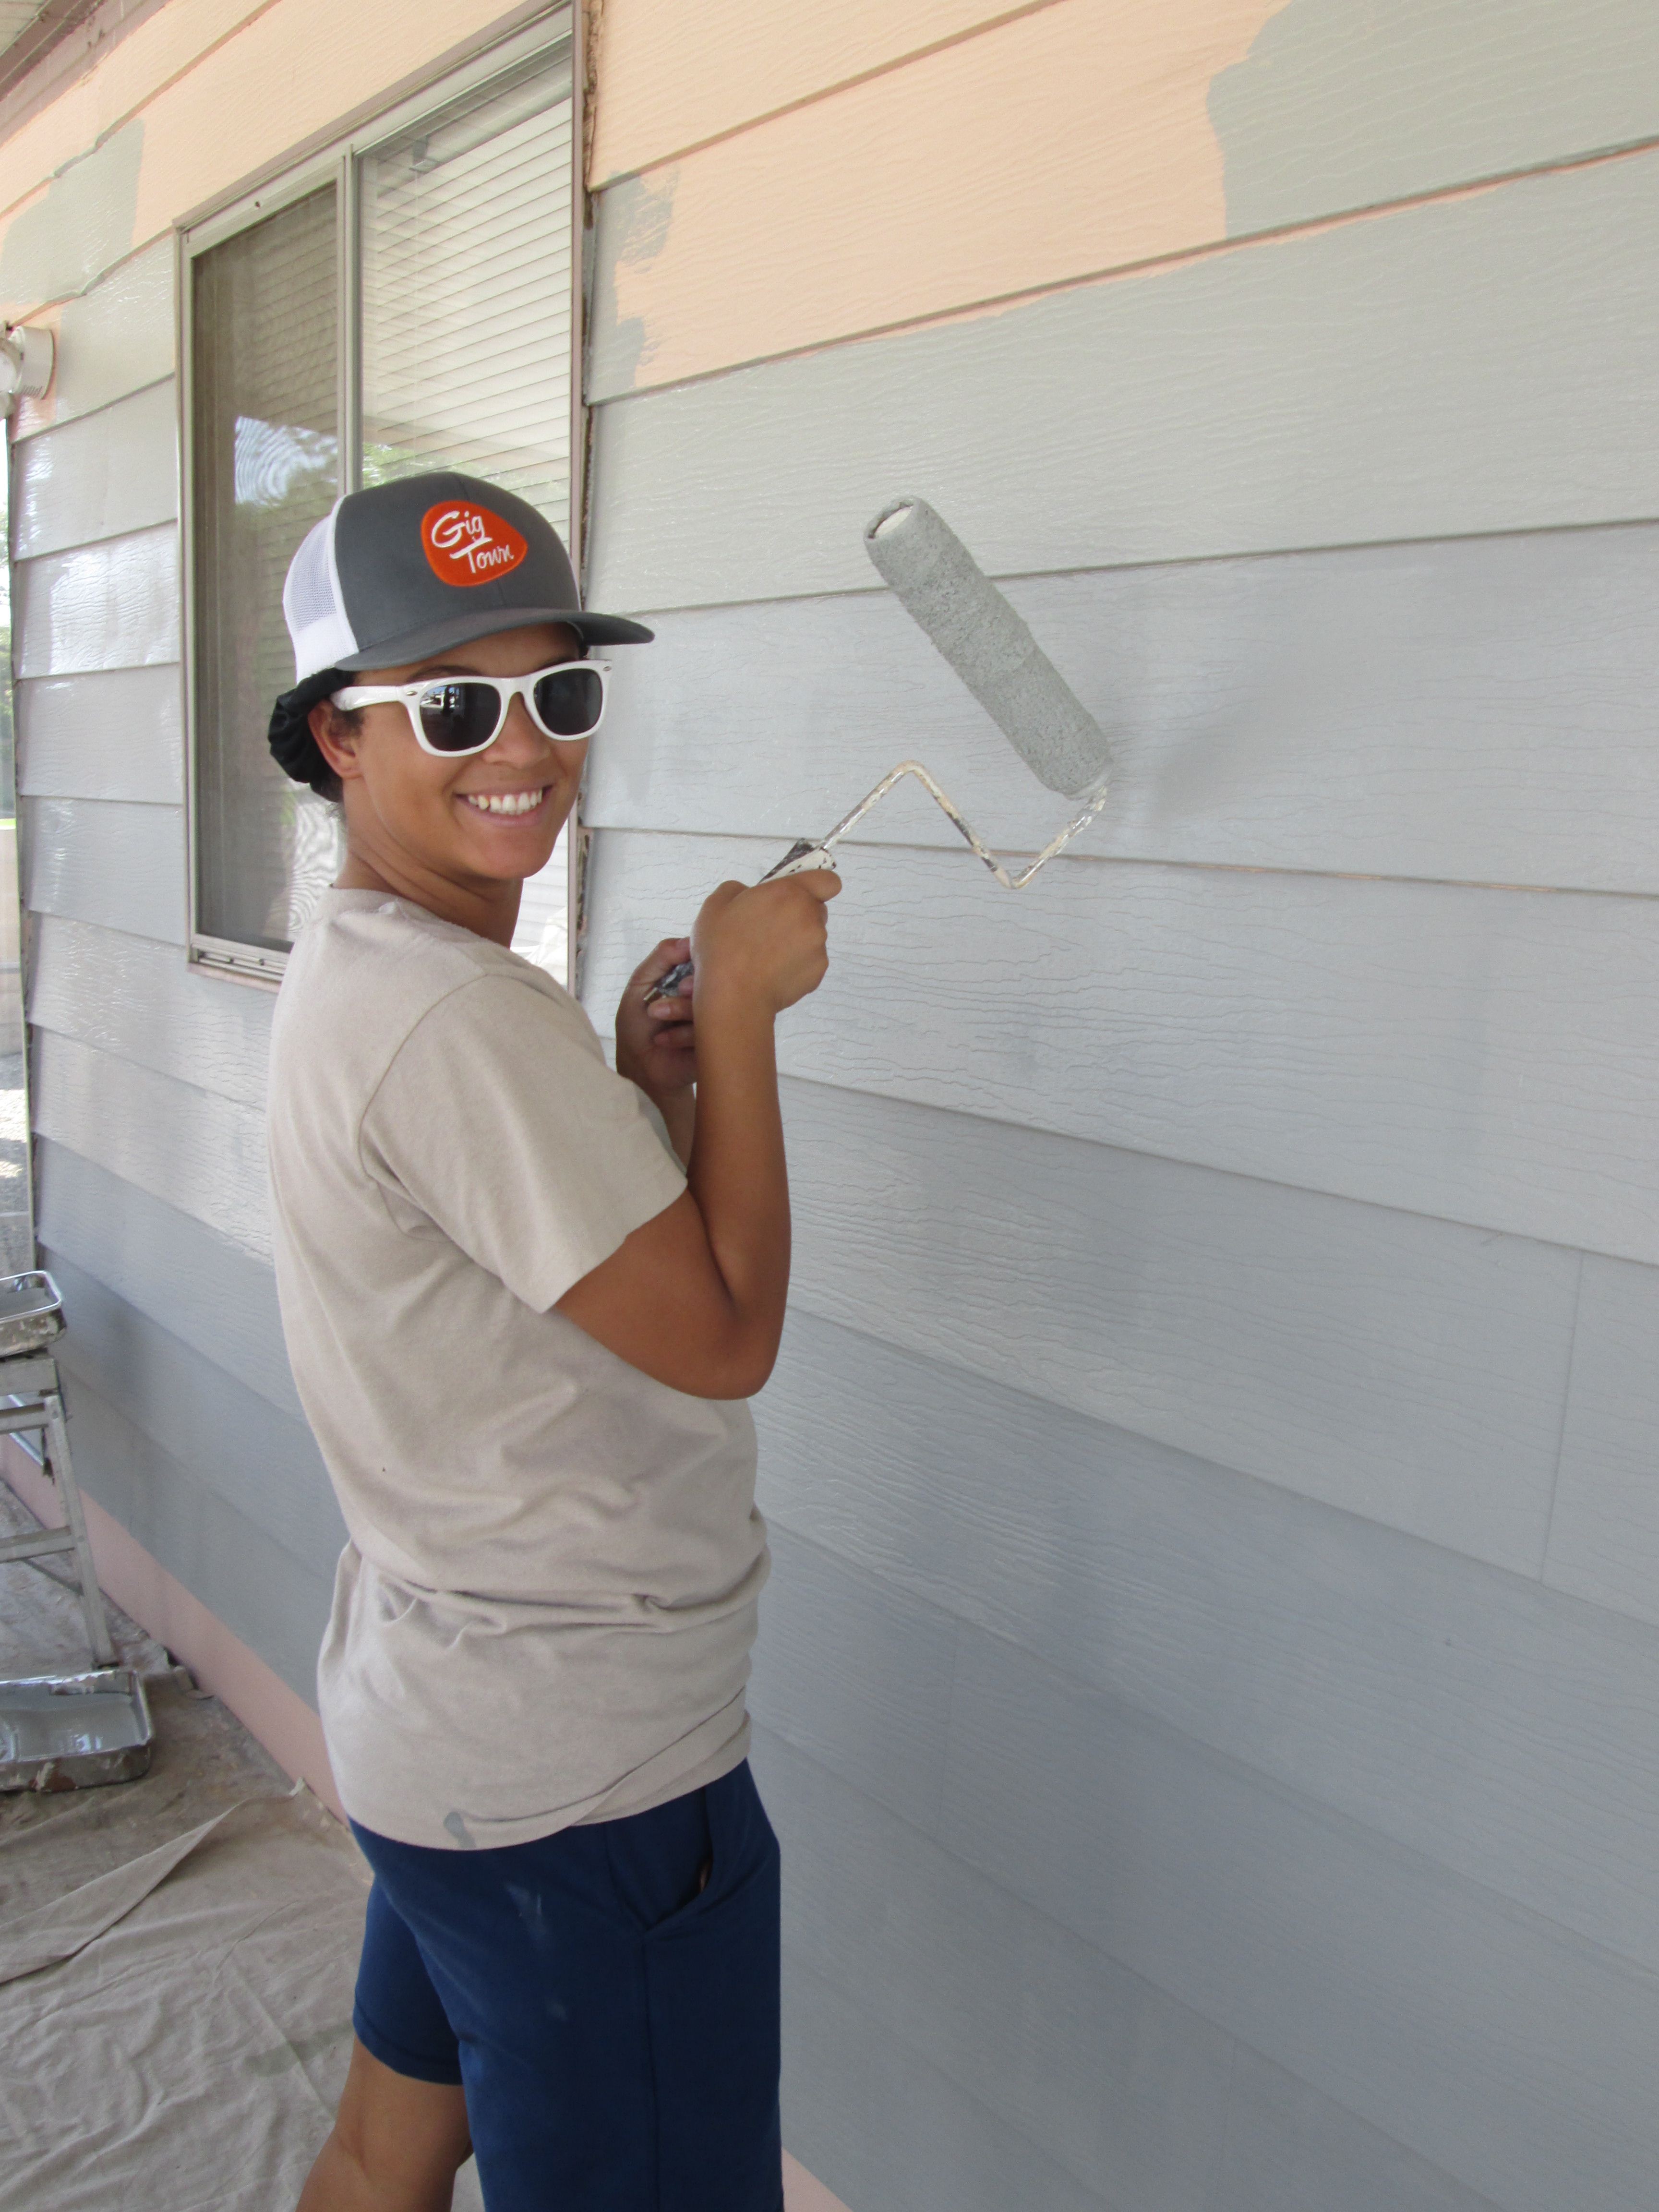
(453, 715)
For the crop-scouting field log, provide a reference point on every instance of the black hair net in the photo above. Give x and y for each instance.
(294, 748)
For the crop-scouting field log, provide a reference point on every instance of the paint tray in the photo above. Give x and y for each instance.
(31, 1313)
(74, 1731)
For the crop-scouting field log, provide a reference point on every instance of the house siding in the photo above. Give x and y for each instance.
(1204, 1685)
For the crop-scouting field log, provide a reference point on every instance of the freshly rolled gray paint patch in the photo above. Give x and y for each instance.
(1339, 107)
(632, 227)
(64, 243)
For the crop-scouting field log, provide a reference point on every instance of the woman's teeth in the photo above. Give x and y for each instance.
(505, 802)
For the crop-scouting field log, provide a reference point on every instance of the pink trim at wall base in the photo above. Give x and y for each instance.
(802, 2194)
(221, 1663)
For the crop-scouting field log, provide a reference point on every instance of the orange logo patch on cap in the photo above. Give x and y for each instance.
(468, 544)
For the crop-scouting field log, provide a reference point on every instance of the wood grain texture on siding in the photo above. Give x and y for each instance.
(114, 605)
(114, 340)
(119, 734)
(1408, 1370)
(1071, 140)
(1290, 2149)
(1504, 1731)
(1505, 2049)
(200, 1286)
(143, 1001)
(855, 1674)
(1339, 106)
(1120, 2086)
(1476, 365)
(255, 1586)
(884, 2127)
(103, 475)
(77, 227)
(240, 1450)
(202, 1155)
(106, 861)
(673, 73)
(1604, 1532)
(1479, 708)
(1482, 1054)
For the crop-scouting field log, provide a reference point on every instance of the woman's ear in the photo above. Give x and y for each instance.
(337, 735)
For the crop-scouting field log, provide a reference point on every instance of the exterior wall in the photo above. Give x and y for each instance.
(149, 1077)
(1207, 1692)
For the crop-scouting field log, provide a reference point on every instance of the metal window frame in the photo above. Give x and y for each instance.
(550, 36)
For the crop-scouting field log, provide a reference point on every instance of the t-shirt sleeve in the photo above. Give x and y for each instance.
(500, 1121)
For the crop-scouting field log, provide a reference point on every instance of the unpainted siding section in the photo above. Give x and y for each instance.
(148, 1077)
(1202, 1689)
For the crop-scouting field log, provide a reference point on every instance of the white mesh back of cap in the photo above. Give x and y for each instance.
(311, 604)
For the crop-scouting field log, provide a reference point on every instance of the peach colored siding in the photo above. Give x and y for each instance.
(1066, 142)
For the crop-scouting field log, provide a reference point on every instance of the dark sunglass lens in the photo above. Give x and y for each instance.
(459, 718)
(568, 699)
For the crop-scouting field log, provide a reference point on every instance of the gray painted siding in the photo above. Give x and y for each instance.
(1039, 2039)
(1478, 710)
(1338, 107)
(1438, 1049)
(1332, 389)
(1213, 1631)
(148, 1078)
(115, 736)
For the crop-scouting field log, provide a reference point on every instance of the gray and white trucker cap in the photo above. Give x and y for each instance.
(402, 569)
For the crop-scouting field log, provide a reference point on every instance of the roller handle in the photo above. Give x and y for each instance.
(801, 856)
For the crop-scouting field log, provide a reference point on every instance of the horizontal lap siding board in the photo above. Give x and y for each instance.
(107, 862)
(260, 1462)
(113, 606)
(101, 475)
(868, 2114)
(1604, 1532)
(1492, 2042)
(1085, 136)
(119, 734)
(1408, 1370)
(114, 339)
(196, 1282)
(203, 1155)
(1506, 1731)
(1480, 708)
(675, 73)
(1123, 2087)
(1483, 1054)
(140, 1000)
(275, 1606)
(1333, 107)
(1071, 139)
(1323, 389)
(1133, 2093)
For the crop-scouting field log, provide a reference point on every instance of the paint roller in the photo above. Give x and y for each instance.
(945, 592)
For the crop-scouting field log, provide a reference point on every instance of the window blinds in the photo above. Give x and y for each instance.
(465, 239)
(465, 232)
(264, 397)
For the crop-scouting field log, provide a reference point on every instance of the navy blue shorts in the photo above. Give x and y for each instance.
(614, 2024)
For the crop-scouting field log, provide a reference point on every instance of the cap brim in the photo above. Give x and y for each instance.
(462, 629)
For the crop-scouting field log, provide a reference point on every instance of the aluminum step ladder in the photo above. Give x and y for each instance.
(31, 1379)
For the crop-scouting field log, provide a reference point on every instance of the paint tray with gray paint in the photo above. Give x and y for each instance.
(74, 1731)
(31, 1314)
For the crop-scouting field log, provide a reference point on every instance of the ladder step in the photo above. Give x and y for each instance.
(36, 1548)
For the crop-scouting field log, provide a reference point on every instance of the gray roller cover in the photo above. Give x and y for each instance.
(943, 589)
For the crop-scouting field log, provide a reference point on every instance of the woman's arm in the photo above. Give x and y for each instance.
(696, 1297)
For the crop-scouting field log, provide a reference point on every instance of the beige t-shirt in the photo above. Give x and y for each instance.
(545, 1612)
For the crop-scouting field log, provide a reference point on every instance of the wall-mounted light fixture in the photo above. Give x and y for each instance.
(26, 363)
